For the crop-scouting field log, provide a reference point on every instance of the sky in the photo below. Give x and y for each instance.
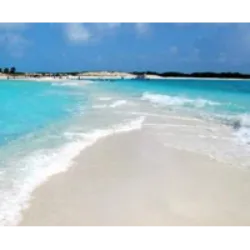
(185, 47)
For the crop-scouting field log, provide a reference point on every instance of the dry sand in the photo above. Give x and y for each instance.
(131, 179)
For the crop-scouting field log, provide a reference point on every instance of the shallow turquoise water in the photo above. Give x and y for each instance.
(26, 107)
(43, 125)
(234, 96)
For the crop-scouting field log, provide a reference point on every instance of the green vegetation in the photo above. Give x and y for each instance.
(6, 71)
(232, 75)
(11, 70)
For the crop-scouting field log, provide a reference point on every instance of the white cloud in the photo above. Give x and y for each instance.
(142, 28)
(77, 32)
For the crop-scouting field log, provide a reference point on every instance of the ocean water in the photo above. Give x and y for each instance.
(45, 125)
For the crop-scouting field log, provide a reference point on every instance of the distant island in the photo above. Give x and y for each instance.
(12, 73)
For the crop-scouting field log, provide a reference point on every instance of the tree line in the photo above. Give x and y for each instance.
(11, 70)
(233, 75)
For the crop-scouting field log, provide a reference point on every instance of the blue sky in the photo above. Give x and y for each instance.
(125, 46)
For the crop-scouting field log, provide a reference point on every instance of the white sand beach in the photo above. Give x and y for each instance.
(131, 179)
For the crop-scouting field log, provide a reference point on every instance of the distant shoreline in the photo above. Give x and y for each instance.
(109, 76)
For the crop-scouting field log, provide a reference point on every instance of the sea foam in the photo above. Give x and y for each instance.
(166, 100)
(44, 163)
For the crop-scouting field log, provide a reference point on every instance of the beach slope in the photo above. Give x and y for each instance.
(131, 179)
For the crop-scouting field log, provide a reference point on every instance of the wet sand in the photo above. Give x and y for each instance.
(132, 179)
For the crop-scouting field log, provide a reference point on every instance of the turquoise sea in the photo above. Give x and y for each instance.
(45, 125)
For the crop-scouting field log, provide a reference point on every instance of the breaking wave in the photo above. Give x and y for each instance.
(167, 100)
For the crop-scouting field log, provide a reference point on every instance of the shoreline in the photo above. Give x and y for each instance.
(159, 149)
(116, 77)
(129, 179)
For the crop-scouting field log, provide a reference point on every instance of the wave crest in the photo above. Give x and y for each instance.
(166, 100)
(241, 125)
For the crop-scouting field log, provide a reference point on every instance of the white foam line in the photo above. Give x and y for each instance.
(167, 100)
(43, 164)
